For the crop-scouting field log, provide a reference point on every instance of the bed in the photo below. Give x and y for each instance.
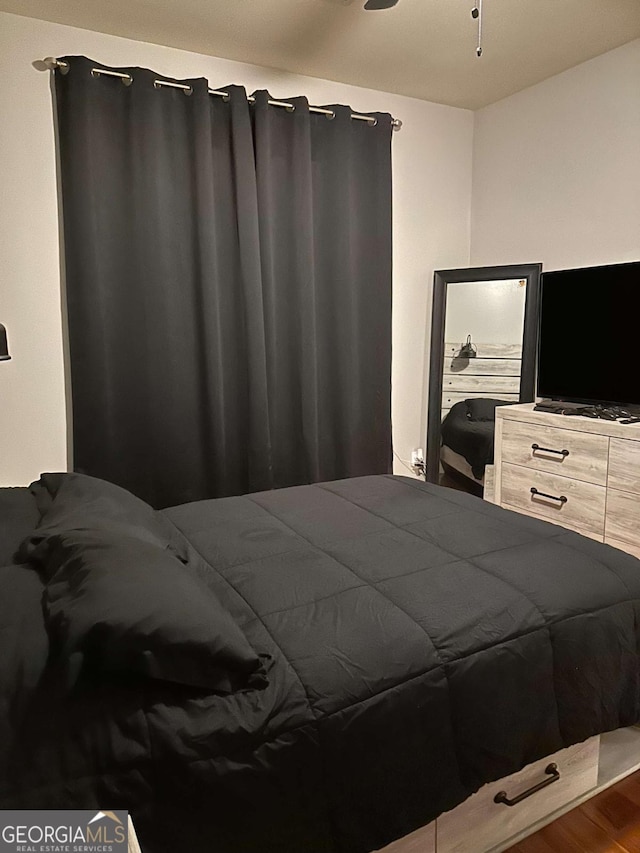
(467, 436)
(384, 647)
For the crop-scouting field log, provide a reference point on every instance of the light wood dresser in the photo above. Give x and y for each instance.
(582, 473)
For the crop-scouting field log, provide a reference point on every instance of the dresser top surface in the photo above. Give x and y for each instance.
(580, 423)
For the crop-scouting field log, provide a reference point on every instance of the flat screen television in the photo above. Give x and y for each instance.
(589, 335)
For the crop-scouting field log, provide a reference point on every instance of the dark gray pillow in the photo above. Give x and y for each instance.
(79, 502)
(118, 604)
(484, 408)
(18, 518)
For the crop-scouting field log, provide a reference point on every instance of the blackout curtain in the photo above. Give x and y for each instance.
(228, 286)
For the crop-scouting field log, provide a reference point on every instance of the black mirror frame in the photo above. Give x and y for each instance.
(442, 278)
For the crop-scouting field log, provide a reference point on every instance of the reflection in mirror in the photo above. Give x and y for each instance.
(491, 315)
(482, 356)
(484, 322)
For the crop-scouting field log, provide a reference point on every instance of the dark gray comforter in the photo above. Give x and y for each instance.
(422, 642)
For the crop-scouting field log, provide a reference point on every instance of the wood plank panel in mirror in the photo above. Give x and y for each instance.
(449, 398)
(485, 350)
(478, 384)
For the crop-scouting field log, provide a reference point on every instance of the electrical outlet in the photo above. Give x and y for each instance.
(417, 458)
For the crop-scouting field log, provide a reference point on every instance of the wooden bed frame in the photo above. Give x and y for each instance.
(480, 825)
(457, 466)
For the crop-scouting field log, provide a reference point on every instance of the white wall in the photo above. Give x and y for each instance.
(492, 312)
(432, 197)
(556, 171)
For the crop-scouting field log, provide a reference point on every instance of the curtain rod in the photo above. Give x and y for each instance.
(52, 63)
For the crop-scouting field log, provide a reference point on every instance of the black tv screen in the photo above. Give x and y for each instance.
(589, 335)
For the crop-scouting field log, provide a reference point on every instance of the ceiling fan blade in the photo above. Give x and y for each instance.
(380, 4)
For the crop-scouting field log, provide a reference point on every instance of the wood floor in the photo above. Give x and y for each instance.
(607, 823)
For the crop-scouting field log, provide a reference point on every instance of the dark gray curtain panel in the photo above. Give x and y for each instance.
(228, 287)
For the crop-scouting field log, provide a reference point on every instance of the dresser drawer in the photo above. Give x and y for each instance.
(579, 455)
(624, 465)
(623, 519)
(580, 504)
(480, 824)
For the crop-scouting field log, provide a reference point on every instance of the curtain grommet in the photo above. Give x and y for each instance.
(330, 116)
(372, 122)
(127, 79)
(188, 91)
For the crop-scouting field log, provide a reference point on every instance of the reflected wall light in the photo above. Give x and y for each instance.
(468, 350)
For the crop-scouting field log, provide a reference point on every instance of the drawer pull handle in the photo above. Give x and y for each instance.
(535, 447)
(563, 498)
(553, 774)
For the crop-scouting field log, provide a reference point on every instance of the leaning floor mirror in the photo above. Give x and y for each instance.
(483, 353)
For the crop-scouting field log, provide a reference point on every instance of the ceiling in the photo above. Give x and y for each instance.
(421, 48)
